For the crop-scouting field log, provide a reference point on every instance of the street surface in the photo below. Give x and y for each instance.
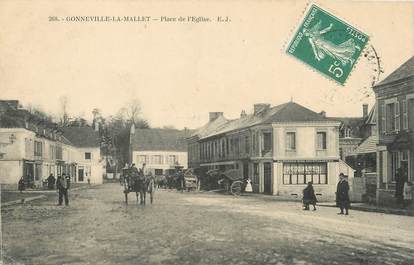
(198, 228)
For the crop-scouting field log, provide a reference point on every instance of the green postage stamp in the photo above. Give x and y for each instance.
(327, 44)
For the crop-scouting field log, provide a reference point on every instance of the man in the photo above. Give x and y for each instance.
(62, 184)
(400, 178)
(51, 182)
(342, 196)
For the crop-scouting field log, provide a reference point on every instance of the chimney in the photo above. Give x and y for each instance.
(243, 114)
(323, 113)
(260, 107)
(364, 110)
(214, 115)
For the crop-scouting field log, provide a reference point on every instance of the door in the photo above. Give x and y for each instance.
(245, 171)
(267, 168)
(81, 174)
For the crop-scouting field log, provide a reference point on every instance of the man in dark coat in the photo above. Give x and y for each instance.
(62, 184)
(51, 182)
(400, 178)
(342, 196)
(309, 197)
(21, 185)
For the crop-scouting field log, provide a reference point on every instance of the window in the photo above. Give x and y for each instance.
(172, 159)
(347, 132)
(87, 156)
(158, 172)
(405, 115)
(290, 141)
(267, 142)
(246, 145)
(156, 159)
(38, 148)
(390, 117)
(397, 116)
(302, 173)
(142, 159)
(321, 140)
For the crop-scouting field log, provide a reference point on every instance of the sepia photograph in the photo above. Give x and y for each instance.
(188, 132)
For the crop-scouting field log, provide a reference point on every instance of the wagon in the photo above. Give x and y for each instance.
(190, 180)
(231, 180)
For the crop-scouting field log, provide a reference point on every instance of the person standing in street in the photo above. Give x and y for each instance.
(51, 182)
(342, 194)
(21, 185)
(401, 178)
(309, 197)
(62, 184)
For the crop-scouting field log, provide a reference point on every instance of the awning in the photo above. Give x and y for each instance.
(368, 146)
(401, 142)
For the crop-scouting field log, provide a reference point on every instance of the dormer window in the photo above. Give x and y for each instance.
(347, 133)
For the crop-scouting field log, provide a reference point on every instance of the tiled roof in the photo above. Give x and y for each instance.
(369, 145)
(404, 71)
(287, 112)
(160, 140)
(82, 136)
(210, 127)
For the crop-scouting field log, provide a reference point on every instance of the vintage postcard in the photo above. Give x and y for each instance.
(206, 132)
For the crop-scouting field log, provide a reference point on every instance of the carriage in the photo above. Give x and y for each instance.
(134, 180)
(231, 180)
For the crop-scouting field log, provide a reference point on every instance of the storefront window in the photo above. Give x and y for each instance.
(302, 173)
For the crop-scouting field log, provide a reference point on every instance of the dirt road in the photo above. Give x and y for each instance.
(198, 228)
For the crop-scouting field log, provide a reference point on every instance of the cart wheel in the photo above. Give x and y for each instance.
(236, 188)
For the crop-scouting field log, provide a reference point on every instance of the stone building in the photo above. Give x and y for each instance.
(160, 149)
(395, 101)
(279, 148)
(33, 148)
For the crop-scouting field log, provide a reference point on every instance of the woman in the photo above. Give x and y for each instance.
(309, 197)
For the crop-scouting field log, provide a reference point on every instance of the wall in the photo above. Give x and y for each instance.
(182, 159)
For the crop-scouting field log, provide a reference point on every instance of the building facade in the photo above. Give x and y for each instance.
(33, 148)
(161, 150)
(395, 101)
(279, 148)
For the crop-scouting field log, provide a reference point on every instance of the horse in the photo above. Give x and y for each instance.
(135, 181)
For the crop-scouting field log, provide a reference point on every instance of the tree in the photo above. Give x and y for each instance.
(64, 116)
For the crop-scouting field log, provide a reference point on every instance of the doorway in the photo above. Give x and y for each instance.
(81, 173)
(267, 168)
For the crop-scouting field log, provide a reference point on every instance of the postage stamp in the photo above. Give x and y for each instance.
(327, 44)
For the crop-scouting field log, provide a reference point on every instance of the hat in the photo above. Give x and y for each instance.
(342, 175)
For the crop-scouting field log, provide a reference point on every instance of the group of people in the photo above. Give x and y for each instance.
(62, 185)
(342, 195)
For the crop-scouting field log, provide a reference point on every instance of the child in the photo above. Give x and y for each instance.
(309, 197)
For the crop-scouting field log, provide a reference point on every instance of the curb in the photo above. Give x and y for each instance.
(24, 200)
(375, 210)
(54, 190)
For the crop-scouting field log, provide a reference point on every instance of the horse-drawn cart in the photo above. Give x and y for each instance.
(231, 180)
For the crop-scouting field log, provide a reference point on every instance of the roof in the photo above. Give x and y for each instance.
(404, 71)
(160, 140)
(82, 136)
(287, 112)
(367, 146)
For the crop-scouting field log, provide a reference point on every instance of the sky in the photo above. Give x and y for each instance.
(181, 71)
